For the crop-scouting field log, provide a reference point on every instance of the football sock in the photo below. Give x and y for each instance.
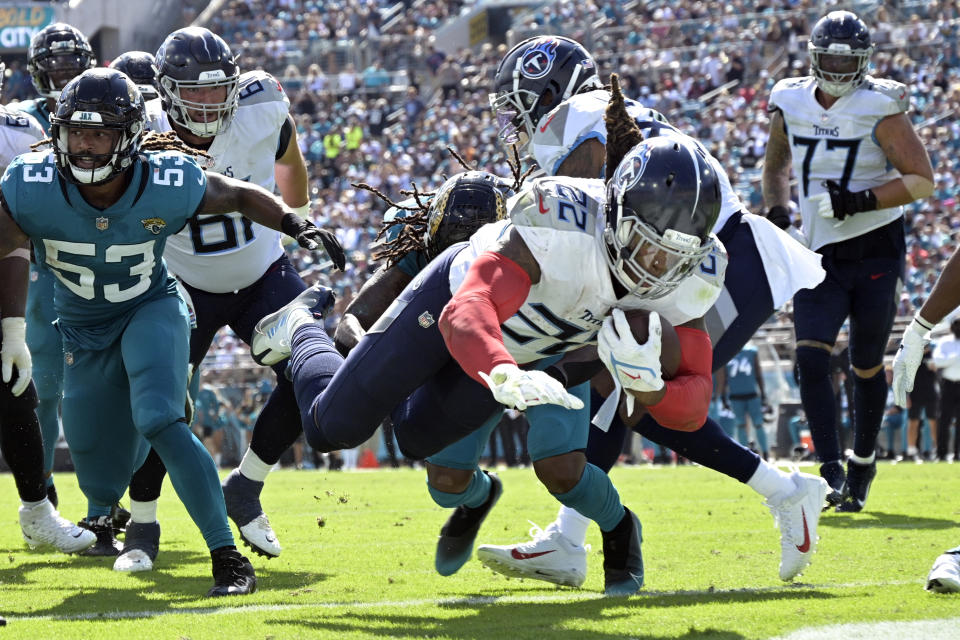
(313, 362)
(48, 411)
(869, 402)
(278, 424)
(148, 479)
(864, 460)
(595, 497)
(22, 448)
(143, 512)
(604, 447)
(473, 496)
(769, 481)
(815, 393)
(194, 476)
(572, 524)
(708, 446)
(253, 468)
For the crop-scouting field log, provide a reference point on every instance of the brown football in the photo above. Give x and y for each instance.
(669, 358)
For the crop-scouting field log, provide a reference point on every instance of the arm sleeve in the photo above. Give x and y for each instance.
(687, 401)
(494, 289)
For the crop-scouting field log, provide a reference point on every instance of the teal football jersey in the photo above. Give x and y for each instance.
(108, 261)
(38, 109)
(742, 373)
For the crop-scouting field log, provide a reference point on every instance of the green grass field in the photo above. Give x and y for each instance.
(358, 563)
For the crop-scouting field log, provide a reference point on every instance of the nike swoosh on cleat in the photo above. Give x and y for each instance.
(803, 548)
(77, 534)
(270, 539)
(519, 555)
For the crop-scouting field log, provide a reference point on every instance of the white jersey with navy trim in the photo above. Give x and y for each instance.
(224, 253)
(838, 144)
(561, 220)
(580, 118)
(18, 130)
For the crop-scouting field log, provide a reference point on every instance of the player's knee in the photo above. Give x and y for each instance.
(813, 362)
(867, 373)
(101, 490)
(560, 474)
(153, 412)
(446, 480)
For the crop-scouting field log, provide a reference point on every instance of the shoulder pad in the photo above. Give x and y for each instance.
(34, 157)
(259, 86)
(565, 204)
(895, 91)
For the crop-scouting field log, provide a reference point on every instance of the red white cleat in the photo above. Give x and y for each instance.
(549, 556)
(797, 515)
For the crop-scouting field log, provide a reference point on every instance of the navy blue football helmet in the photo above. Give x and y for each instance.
(99, 98)
(197, 58)
(533, 78)
(662, 203)
(57, 54)
(141, 67)
(463, 204)
(840, 50)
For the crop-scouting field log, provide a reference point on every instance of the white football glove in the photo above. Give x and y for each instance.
(519, 389)
(14, 351)
(907, 361)
(823, 204)
(636, 367)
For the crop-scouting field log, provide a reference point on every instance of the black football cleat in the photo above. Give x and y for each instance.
(141, 544)
(832, 472)
(455, 545)
(119, 518)
(107, 543)
(622, 557)
(233, 574)
(859, 479)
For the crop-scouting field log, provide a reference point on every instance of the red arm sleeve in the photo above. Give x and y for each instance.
(687, 401)
(493, 290)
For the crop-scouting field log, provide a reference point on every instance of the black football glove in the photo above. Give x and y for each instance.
(846, 203)
(310, 236)
(780, 216)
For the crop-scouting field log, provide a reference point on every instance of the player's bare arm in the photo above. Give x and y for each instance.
(945, 296)
(776, 165)
(513, 247)
(290, 172)
(586, 161)
(224, 195)
(12, 237)
(373, 299)
(906, 153)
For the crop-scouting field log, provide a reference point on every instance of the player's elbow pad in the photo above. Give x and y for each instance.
(687, 401)
(494, 289)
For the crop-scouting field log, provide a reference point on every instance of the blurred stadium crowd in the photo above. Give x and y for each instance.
(377, 101)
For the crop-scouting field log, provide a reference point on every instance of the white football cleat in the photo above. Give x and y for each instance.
(273, 334)
(549, 556)
(797, 515)
(260, 537)
(42, 525)
(945, 575)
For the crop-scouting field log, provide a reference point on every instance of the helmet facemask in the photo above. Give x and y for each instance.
(106, 165)
(216, 116)
(848, 67)
(649, 265)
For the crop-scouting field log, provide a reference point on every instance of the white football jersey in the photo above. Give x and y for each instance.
(561, 220)
(224, 253)
(838, 144)
(18, 130)
(580, 118)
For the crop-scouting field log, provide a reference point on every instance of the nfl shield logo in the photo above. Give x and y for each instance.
(68, 358)
(425, 319)
(102, 223)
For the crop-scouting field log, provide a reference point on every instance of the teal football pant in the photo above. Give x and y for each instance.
(46, 348)
(120, 401)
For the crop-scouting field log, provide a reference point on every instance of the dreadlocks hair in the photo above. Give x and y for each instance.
(153, 141)
(623, 133)
(414, 226)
